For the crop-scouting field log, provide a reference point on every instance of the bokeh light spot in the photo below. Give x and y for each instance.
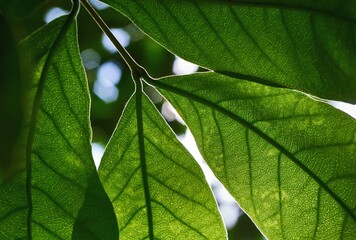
(181, 66)
(109, 74)
(54, 13)
(91, 58)
(98, 5)
(121, 35)
(98, 152)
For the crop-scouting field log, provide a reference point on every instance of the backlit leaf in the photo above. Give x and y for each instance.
(288, 160)
(156, 187)
(302, 44)
(62, 182)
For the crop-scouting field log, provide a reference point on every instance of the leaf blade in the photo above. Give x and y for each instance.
(61, 179)
(170, 181)
(303, 46)
(278, 142)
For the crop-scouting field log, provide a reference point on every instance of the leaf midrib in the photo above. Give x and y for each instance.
(141, 143)
(257, 131)
(35, 110)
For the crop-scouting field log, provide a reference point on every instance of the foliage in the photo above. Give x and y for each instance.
(258, 116)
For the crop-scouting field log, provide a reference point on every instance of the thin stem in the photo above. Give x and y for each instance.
(138, 73)
(136, 70)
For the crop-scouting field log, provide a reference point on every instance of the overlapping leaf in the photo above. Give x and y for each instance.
(12, 175)
(65, 197)
(304, 45)
(288, 160)
(157, 189)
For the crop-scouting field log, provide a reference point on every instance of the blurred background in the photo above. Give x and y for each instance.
(111, 86)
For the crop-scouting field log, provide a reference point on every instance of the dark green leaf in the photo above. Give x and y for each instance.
(10, 102)
(156, 187)
(13, 207)
(12, 176)
(62, 183)
(287, 159)
(96, 218)
(19, 8)
(305, 45)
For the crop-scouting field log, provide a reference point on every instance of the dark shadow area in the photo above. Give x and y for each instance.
(11, 114)
(96, 218)
(245, 229)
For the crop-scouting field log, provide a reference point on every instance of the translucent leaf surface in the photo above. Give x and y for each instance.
(61, 174)
(304, 45)
(287, 159)
(157, 189)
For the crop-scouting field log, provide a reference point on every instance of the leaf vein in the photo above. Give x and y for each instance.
(261, 134)
(120, 158)
(216, 33)
(61, 133)
(126, 184)
(13, 211)
(172, 160)
(179, 219)
(47, 229)
(178, 193)
(53, 200)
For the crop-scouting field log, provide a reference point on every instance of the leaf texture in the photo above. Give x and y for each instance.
(60, 170)
(303, 45)
(157, 189)
(289, 161)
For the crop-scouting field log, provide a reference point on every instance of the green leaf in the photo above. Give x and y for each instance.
(13, 207)
(305, 45)
(64, 193)
(12, 175)
(287, 159)
(10, 102)
(157, 189)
